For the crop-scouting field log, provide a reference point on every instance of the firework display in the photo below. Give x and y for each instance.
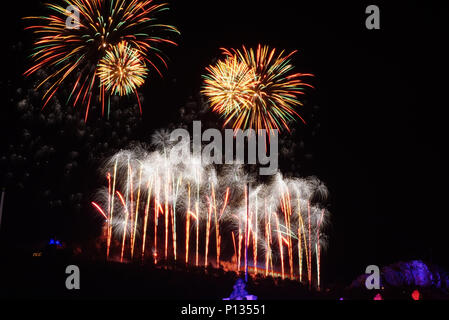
(141, 164)
(255, 88)
(203, 215)
(109, 35)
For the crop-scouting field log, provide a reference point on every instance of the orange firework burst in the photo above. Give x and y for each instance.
(255, 89)
(122, 70)
(228, 85)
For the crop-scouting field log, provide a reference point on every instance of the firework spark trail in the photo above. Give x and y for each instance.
(209, 215)
(267, 238)
(286, 209)
(304, 233)
(108, 232)
(225, 203)
(145, 224)
(136, 213)
(310, 246)
(281, 250)
(125, 223)
(217, 228)
(99, 209)
(217, 225)
(131, 194)
(166, 215)
(156, 212)
(112, 209)
(267, 252)
(197, 233)
(255, 243)
(290, 244)
(318, 248)
(281, 215)
(188, 225)
(235, 247)
(176, 193)
(300, 227)
(246, 229)
(240, 246)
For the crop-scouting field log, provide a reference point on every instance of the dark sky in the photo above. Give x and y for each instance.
(381, 142)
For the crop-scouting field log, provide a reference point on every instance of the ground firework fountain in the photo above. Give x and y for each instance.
(274, 227)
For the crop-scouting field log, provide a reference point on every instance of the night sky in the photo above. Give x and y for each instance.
(375, 135)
